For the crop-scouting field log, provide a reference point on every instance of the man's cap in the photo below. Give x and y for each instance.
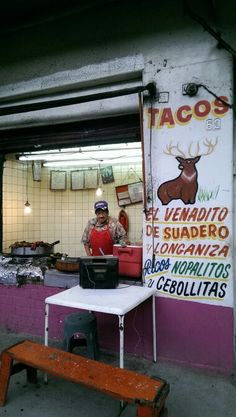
(100, 205)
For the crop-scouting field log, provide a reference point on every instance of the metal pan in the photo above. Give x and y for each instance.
(38, 251)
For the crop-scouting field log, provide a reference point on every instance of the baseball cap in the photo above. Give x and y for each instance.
(100, 205)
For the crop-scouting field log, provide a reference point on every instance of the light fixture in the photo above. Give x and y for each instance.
(99, 191)
(81, 155)
(87, 155)
(88, 162)
(27, 207)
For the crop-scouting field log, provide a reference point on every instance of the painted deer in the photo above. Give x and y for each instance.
(185, 186)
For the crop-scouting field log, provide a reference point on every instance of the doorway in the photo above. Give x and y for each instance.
(61, 214)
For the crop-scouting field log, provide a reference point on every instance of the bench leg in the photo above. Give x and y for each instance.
(164, 412)
(5, 373)
(146, 411)
(31, 374)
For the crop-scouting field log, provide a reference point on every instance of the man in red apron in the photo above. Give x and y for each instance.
(102, 232)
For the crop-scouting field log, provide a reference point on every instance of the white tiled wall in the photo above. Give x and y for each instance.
(59, 215)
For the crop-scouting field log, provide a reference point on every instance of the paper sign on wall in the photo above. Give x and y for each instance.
(129, 193)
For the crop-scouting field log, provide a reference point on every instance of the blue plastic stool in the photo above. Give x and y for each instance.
(80, 329)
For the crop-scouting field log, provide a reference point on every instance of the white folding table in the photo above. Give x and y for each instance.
(118, 301)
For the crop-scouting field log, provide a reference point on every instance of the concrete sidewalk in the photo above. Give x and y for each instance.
(192, 393)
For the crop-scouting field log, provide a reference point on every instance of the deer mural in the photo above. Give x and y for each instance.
(185, 186)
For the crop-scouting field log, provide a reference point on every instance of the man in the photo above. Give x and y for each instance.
(102, 232)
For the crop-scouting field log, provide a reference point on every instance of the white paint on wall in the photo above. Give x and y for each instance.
(185, 139)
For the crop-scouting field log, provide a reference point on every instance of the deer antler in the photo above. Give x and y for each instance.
(197, 150)
(210, 146)
(208, 143)
(169, 148)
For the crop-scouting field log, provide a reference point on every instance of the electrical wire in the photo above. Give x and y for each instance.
(231, 106)
(136, 330)
(152, 188)
(192, 88)
(221, 42)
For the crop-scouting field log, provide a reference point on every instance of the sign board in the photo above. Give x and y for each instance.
(188, 229)
(129, 193)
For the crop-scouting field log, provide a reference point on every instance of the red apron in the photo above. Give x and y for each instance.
(101, 242)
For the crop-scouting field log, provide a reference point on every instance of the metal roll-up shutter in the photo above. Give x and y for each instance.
(101, 131)
(123, 128)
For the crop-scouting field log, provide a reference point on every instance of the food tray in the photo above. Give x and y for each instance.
(67, 265)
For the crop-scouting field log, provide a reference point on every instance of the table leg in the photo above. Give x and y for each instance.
(46, 324)
(121, 330)
(46, 335)
(154, 335)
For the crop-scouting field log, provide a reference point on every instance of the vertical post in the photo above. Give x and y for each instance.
(154, 330)
(2, 160)
(142, 147)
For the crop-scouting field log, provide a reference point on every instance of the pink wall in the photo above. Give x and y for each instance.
(188, 333)
(22, 311)
(196, 334)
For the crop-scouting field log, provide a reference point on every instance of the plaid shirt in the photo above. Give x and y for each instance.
(116, 229)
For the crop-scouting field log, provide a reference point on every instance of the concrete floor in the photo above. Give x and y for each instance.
(192, 393)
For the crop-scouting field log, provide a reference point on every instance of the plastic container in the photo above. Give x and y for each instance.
(130, 260)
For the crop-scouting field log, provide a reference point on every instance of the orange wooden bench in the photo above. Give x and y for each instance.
(131, 387)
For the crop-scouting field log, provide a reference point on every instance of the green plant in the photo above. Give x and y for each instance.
(206, 195)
